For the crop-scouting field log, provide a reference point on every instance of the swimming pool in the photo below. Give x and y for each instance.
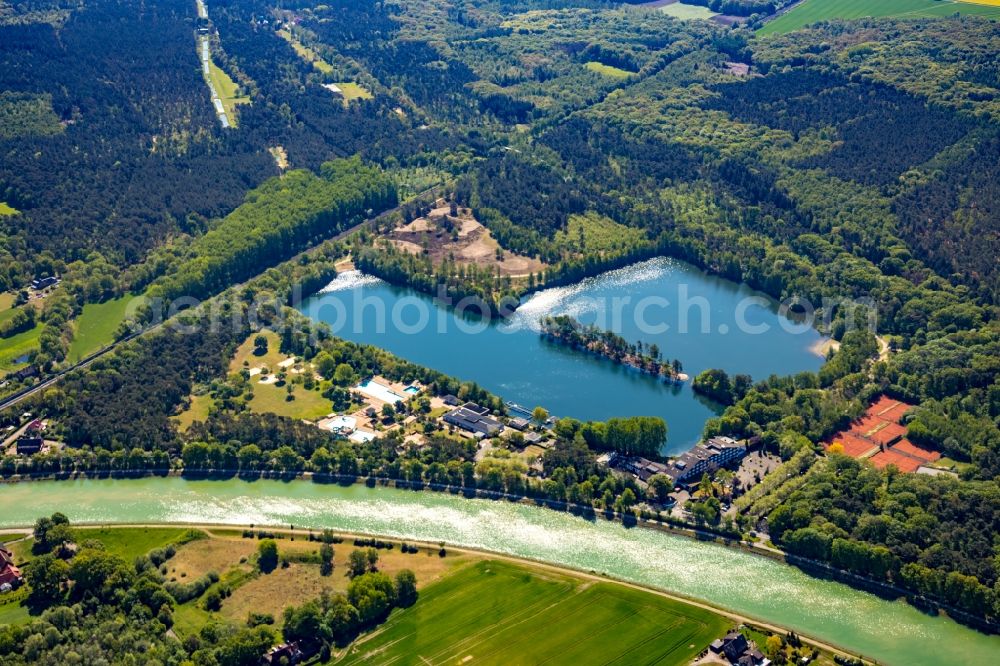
(412, 390)
(381, 392)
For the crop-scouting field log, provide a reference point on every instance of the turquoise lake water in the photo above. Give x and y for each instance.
(703, 321)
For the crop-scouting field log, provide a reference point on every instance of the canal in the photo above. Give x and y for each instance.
(891, 632)
(703, 321)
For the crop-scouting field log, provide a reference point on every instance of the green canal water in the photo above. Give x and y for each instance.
(891, 632)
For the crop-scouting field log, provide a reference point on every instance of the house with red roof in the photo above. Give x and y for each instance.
(10, 575)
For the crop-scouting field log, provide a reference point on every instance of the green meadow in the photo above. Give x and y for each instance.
(354, 91)
(812, 11)
(228, 91)
(494, 612)
(17, 346)
(687, 12)
(608, 70)
(96, 326)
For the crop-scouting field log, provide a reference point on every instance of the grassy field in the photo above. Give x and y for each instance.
(354, 91)
(96, 326)
(245, 354)
(129, 542)
(231, 556)
(198, 411)
(270, 398)
(608, 70)
(597, 233)
(7, 300)
(500, 613)
(16, 347)
(811, 11)
(6, 209)
(687, 12)
(227, 90)
(306, 53)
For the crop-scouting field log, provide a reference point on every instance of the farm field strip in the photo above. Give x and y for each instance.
(491, 611)
(812, 11)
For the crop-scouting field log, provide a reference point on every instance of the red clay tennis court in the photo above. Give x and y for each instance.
(911, 449)
(889, 457)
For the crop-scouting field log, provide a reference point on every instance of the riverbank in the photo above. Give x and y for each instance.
(663, 523)
(740, 582)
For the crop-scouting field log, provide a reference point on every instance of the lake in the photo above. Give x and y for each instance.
(704, 321)
(890, 631)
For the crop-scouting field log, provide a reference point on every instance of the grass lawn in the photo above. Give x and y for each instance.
(7, 209)
(309, 405)
(608, 70)
(686, 12)
(131, 542)
(354, 91)
(7, 310)
(96, 326)
(501, 613)
(17, 347)
(11, 609)
(944, 462)
(811, 11)
(245, 352)
(227, 90)
(198, 411)
(306, 53)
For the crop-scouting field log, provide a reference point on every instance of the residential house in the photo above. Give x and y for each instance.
(518, 423)
(286, 653)
(44, 283)
(31, 440)
(10, 575)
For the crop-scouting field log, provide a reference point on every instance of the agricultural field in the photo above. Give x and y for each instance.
(96, 326)
(500, 613)
(811, 11)
(232, 557)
